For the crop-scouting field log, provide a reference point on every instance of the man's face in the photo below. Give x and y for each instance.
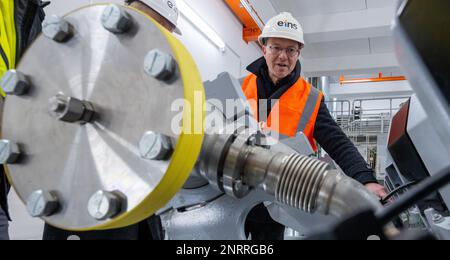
(281, 56)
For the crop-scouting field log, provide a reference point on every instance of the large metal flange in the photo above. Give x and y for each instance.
(106, 73)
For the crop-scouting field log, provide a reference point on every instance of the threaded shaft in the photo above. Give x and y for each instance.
(300, 181)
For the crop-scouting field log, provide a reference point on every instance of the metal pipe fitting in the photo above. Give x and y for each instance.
(295, 180)
(71, 110)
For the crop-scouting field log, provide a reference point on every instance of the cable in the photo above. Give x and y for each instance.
(397, 190)
(425, 188)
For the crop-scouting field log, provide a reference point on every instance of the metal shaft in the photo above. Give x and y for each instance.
(298, 181)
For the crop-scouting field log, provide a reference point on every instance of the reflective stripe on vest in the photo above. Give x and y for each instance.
(297, 108)
(7, 37)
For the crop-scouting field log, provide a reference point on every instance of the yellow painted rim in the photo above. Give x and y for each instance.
(189, 144)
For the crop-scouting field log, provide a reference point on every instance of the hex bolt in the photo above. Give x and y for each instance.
(116, 20)
(437, 218)
(42, 203)
(70, 110)
(104, 205)
(154, 146)
(14, 83)
(160, 65)
(238, 185)
(9, 152)
(57, 28)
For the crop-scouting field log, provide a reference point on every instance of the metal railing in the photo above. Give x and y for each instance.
(367, 124)
(358, 118)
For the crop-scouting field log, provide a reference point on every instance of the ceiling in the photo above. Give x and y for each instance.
(343, 37)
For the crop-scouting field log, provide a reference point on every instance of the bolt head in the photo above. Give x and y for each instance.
(57, 29)
(154, 146)
(42, 203)
(104, 205)
(58, 105)
(238, 185)
(9, 152)
(14, 83)
(115, 19)
(160, 65)
(437, 218)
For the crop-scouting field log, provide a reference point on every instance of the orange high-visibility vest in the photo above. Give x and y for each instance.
(295, 112)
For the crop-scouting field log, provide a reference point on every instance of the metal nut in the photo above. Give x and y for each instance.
(104, 205)
(115, 19)
(160, 65)
(9, 152)
(155, 146)
(15, 83)
(42, 204)
(70, 110)
(238, 185)
(57, 29)
(437, 218)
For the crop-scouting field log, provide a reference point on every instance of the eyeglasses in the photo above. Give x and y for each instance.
(290, 52)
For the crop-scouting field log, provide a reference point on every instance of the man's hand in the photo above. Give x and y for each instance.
(377, 189)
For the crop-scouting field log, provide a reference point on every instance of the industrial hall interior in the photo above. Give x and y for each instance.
(224, 120)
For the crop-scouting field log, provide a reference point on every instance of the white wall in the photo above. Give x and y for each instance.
(210, 60)
(371, 90)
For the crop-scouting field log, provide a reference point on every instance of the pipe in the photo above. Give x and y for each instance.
(307, 184)
(370, 80)
(235, 166)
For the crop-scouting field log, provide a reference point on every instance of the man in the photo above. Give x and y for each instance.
(20, 23)
(276, 76)
(300, 108)
(165, 12)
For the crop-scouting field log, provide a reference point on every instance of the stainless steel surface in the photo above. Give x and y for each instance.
(212, 153)
(78, 160)
(306, 183)
(104, 205)
(71, 110)
(160, 65)
(300, 181)
(306, 224)
(9, 152)
(115, 19)
(15, 83)
(154, 146)
(295, 180)
(57, 28)
(340, 196)
(235, 159)
(42, 203)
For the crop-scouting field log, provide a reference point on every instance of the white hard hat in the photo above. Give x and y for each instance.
(166, 8)
(283, 26)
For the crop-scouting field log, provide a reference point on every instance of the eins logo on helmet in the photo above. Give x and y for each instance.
(287, 24)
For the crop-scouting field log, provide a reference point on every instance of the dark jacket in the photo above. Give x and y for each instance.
(28, 17)
(326, 131)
